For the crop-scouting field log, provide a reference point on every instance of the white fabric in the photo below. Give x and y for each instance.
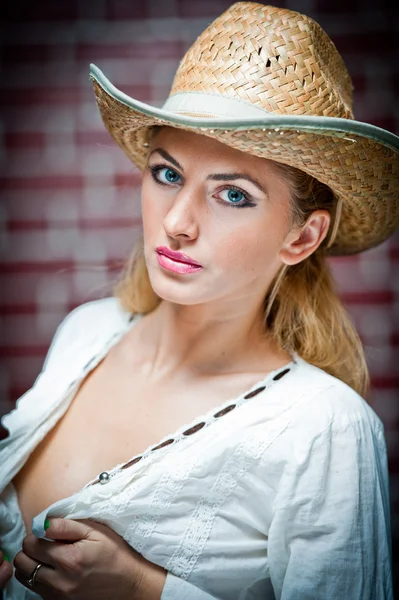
(214, 105)
(285, 497)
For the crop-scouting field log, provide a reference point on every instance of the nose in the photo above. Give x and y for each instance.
(182, 218)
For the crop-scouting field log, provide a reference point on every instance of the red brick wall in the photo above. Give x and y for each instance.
(70, 199)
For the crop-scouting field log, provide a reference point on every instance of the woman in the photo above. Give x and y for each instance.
(226, 331)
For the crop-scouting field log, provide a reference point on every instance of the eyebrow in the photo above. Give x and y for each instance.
(232, 176)
(214, 176)
(168, 157)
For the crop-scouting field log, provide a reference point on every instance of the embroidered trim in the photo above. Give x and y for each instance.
(197, 532)
(205, 421)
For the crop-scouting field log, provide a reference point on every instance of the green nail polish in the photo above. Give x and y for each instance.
(4, 554)
(46, 524)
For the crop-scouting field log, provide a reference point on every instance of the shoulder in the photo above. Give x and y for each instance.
(88, 323)
(107, 311)
(325, 403)
(328, 432)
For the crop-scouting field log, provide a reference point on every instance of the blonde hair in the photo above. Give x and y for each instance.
(302, 310)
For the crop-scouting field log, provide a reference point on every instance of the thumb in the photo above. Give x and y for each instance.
(67, 529)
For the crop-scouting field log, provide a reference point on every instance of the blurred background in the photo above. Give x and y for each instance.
(70, 205)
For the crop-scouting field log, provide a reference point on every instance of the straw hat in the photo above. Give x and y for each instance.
(269, 81)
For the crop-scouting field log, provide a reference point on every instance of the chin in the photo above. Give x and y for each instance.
(177, 291)
(176, 297)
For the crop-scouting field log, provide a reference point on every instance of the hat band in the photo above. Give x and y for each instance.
(212, 105)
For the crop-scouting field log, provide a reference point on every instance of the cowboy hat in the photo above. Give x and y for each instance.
(269, 81)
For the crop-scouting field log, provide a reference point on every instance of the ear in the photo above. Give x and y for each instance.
(300, 242)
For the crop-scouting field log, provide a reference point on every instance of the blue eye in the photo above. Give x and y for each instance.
(171, 176)
(164, 175)
(235, 198)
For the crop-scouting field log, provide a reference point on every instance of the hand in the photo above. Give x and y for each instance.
(5, 571)
(88, 561)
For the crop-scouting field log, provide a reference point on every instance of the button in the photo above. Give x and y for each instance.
(194, 429)
(131, 462)
(163, 444)
(281, 374)
(104, 477)
(254, 392)
(224, 411)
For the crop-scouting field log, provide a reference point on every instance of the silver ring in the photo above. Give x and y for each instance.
(31, 581)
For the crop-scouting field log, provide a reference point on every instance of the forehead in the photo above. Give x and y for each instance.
(192, 145)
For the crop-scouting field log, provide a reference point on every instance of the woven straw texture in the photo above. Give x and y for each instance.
(274, 58)
(283, 62)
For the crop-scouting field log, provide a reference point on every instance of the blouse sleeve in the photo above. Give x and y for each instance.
(21, 414)
(65, 332)
(330, 532)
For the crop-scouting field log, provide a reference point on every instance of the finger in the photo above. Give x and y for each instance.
(24, 567)
(6, 572)
(47, 581)
(67, 529)
(3, 556)
(44, 551)
(24, 564)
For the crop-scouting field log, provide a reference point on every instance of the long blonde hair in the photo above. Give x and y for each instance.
(302, 310)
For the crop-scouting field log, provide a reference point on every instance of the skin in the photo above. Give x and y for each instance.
(5, 570)
(209, 323)
(88, 561)
(213, 319)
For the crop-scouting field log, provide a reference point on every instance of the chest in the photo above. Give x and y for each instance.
(113, 417)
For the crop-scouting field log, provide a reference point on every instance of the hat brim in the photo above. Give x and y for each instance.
(358, 161)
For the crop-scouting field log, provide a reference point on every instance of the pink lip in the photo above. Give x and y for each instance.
(176, 266)
(179, 256)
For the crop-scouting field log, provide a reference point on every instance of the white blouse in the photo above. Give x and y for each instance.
(284, 496)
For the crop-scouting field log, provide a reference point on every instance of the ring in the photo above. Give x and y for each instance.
(31, 581)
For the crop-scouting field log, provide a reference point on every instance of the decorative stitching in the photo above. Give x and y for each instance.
(197, 532)
(168, 487)
(183, 432)
(176, 471)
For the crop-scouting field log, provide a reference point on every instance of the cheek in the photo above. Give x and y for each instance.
(151, 210)
(251, 246)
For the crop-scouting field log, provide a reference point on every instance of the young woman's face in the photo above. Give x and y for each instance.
(223, 209)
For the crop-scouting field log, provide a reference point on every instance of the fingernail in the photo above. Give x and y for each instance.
(5, 556)
(46, 524)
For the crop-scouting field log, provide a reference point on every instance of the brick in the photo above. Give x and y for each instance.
(206, 8)
(41, 11)
(13, 141)
(147, 50)
(47, 96)
(14, 54)
(124, 9)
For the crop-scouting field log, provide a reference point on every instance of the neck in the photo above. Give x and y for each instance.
(206, 340)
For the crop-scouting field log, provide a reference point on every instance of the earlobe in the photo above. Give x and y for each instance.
(303, 241)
